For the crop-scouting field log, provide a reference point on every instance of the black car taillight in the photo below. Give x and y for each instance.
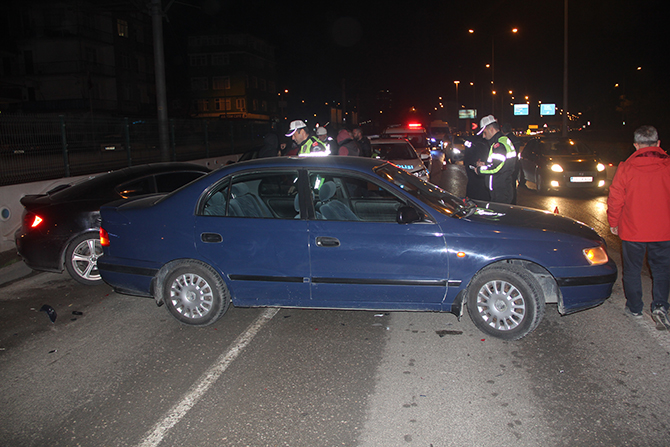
(32, 220)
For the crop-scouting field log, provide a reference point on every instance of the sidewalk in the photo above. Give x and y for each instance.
(12, 267)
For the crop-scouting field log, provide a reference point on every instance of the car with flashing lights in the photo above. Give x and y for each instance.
(401, 153)
(416, 134)
(60, 228)
(560, 163)
(348, 233)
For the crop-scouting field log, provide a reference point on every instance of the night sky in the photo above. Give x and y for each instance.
(417, 49)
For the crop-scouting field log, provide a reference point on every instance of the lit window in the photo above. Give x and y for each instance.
(122, 28)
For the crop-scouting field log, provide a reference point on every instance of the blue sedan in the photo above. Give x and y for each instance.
(348, 233)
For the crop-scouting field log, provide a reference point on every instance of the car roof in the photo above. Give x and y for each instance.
(389, 141)
(331, 161)
(113, 178)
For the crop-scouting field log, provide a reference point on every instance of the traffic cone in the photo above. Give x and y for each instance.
(556, 210)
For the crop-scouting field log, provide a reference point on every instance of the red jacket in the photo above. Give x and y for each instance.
(639, 197)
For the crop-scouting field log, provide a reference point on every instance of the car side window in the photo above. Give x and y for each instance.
(259, 195)
(350, 198)
(138, 187)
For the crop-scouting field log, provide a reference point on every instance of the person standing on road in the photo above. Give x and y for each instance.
(475, 150)
(363, 142)
(322, 134)
(347, 144)
(308, 146)
(509, 133)
(499, 166)
(638, 211)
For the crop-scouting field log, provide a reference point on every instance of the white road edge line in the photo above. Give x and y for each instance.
(177, 412)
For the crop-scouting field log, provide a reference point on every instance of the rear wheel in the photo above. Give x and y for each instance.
(195, 294)
(81, 259)
(505, 301)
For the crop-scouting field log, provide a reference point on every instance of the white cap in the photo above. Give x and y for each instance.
(321, 131)
(295, 125)
(488, 119)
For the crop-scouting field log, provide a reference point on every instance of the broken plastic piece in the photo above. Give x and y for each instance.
(76, 312)
(51, 312)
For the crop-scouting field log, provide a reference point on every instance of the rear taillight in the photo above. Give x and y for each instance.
(104, 237)
(33, 220)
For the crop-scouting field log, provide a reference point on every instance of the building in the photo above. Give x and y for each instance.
(232, 76)
(77, 57)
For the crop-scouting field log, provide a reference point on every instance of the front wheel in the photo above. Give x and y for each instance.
(195, 294)
(81, 259)
(505, 302)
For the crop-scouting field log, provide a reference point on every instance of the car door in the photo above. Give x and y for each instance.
(246, 230)
(362, 258)
(529, 159)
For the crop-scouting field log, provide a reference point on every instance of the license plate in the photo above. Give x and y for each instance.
(581, 179)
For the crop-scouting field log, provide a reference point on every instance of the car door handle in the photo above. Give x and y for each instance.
(211, 237)
(325, 241)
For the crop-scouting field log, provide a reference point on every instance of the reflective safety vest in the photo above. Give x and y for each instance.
(313, 147)
(502, 156)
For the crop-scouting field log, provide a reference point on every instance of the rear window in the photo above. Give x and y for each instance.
(390, 151)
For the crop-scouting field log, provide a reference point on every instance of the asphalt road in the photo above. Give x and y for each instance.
(121, 372)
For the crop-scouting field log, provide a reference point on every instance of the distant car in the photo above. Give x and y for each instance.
(348, 233)
(416, 135)
(60, 229)
(560, 163)
(401, 153)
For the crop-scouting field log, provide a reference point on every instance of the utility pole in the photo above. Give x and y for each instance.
(565, 71)
(161, 91)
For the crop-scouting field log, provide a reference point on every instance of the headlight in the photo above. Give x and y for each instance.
(600, 167)
(596, 255)
(556, 168)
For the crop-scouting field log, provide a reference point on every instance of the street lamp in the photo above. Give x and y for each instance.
(458, 106)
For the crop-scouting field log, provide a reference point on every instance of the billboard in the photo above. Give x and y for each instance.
(467, 114)
(520, 109)
(547, 109)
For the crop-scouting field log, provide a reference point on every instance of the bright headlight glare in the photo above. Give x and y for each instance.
(600, 167)
(596, 255)
(556, 168)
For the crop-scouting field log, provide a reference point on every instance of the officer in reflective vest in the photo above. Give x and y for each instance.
(501, 161)
(308, 146)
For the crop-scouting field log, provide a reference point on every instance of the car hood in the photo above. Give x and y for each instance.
(518, 219)
(576, 161)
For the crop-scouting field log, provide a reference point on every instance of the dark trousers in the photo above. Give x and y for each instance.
(658, 255)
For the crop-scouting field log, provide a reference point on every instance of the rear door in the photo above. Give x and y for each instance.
(250, 230)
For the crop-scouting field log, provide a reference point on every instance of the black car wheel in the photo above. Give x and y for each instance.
(195, 294)
(81, 259)
(505, 302)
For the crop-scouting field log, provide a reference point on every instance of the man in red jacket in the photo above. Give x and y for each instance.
(638, 211)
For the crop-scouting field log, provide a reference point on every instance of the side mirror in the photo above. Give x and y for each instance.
(407, 215)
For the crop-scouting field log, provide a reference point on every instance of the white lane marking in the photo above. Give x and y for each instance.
(176, 413)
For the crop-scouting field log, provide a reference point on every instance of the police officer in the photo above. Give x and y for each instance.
(501, 161)
(308, 146)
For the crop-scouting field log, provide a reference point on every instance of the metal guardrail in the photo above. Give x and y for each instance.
(44, 147)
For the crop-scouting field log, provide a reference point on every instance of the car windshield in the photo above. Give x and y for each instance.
(393, 151)
(429, 194)
(566, 147)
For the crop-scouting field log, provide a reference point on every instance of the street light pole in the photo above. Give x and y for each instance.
(565, 71)
(458, 106)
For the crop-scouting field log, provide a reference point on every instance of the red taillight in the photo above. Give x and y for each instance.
(35, 221)
(104, 238)
(414, 125)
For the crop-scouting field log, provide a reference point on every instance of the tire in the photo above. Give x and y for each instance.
(81, 259)
(195, 294)
(505, 302)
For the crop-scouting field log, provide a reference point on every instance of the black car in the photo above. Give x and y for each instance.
(60, 229)
(560, 163)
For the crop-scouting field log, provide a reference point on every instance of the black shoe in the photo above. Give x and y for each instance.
(659, 309)
(630, 313)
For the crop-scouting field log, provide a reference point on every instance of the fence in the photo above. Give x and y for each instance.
(44, 147)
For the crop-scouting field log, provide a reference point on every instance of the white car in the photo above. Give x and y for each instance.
(401, 153)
